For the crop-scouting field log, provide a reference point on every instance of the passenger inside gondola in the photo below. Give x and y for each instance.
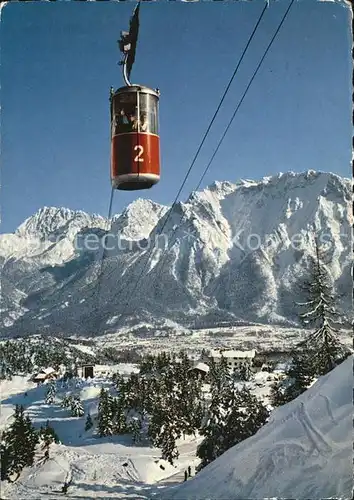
(143, 122)
(134, 122)
(123, 121)
(123, 116)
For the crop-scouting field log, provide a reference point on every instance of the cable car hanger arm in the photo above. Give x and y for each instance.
(127, 45)
(125, 75)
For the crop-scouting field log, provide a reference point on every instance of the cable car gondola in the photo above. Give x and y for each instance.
(135, 142)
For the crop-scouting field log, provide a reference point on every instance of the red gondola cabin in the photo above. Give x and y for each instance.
(135, 143)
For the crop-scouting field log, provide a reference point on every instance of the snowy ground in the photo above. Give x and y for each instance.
(110, 467)
(299, 437)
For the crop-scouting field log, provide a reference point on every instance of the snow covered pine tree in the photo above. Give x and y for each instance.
(18, 445)
(51, 392)
(322, 350)
(323, 345)
(77, 409)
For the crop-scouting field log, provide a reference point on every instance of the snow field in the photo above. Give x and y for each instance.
(292, 456)
(109, 467)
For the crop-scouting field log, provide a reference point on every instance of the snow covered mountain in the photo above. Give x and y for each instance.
(304, 451)
(233, 252)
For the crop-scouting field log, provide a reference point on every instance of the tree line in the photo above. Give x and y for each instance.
(24, 356)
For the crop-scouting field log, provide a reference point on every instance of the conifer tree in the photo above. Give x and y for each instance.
(299, 376)
(88, 423)
(322, 350)
(67, 401)
(119, 424)
(104, 417)
(18, 443)
(51, 392)
(322, 346)
(168, 444)
(118, 381)
(187, 403)
(219, 376)
(48, 435)
(5, 456)
(214, 422)
(77, 409)
(134, 428)
(276, 396)
(157, 418)
(210, 447)
(244, 372)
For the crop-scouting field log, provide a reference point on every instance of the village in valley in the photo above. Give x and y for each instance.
(245, 362)
(156, 420)
(151, 410)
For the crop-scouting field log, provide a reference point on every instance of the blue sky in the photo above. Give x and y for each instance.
(59, 60)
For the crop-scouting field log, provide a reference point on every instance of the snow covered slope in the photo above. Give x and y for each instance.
(233, 252)
(108, 467)
(304, 451)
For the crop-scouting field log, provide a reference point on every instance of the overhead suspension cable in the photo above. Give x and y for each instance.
(217, 109)
(231, 120)
(103, 255)
(243, 96)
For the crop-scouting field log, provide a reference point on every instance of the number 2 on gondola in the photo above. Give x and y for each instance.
(139, 148)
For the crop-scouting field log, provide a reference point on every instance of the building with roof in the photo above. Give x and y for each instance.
(234, 359)
(96, 370)
(199, 369)
(44, 375)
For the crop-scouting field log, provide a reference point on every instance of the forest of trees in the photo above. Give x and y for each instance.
(25, 356)
(164, 402)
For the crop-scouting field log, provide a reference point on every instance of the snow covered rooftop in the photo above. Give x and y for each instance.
(44, 373)
(233, 354)
(200, 366)
(48, 370)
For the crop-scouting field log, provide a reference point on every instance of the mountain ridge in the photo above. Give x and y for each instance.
(236, 250)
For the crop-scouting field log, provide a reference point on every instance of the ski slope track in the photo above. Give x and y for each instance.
(304, 451)
(232, 252)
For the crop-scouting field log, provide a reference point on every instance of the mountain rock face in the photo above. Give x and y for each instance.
(233, 252)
